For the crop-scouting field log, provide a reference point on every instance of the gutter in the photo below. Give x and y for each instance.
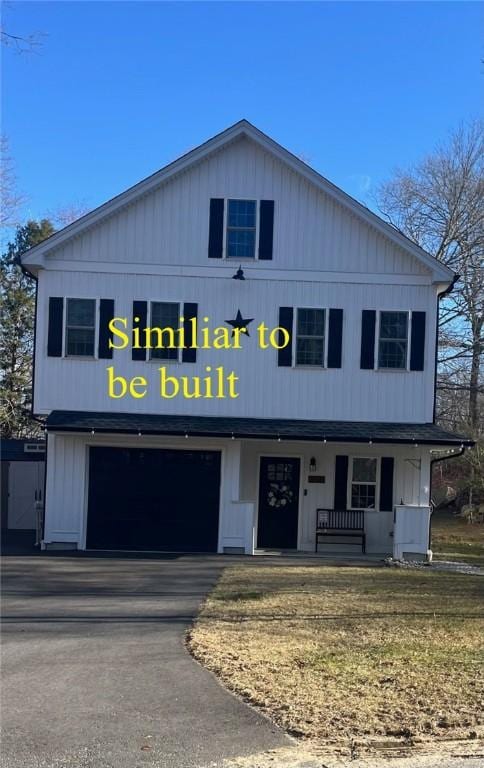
(25, 271)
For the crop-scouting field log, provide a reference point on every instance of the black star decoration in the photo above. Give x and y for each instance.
(240, 323)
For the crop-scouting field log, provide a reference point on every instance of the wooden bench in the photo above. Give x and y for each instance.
(335, 522)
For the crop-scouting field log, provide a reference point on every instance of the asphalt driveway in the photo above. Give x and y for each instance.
(95, 672)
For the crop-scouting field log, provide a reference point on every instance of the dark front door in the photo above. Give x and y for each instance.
(151, 499)
(278, 502)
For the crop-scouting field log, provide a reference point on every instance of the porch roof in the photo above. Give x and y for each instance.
(262, 429)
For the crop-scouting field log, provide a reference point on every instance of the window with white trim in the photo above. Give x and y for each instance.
(363, 483)
(80, 327)
(165, 315)
(310, 336)
(393, 340)
(241, 229)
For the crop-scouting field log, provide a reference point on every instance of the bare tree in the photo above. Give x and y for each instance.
(439, 204)
(10, 198)
(61, 217)
(26, 43)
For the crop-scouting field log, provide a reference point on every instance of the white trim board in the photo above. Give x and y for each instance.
(272, 274)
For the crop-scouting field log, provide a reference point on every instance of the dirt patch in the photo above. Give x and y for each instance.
(449, 755)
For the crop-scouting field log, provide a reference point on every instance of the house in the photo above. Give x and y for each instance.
(335, 414)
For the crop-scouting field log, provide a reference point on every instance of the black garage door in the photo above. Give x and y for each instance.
(150, 499)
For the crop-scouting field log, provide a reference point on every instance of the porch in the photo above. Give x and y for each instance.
(243, 489)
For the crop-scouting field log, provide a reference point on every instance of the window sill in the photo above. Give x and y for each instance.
(79, 357)
(298, 367)
(242, 259)
(162, 361)
(391, 370)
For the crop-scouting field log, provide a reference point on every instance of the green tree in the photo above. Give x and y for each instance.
(17, 306)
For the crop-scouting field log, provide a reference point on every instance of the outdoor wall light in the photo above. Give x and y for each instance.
(312, 464)
(239, 275)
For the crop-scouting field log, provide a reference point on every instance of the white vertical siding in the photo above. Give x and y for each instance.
(266, 390)
(65, 489)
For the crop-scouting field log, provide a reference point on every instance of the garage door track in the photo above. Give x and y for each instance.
(96, 674)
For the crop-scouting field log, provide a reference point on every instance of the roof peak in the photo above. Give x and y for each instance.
(243, 126)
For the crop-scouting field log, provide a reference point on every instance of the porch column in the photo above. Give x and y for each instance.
(236, 518)
(424, 485)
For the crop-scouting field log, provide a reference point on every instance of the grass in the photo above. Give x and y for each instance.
(344, 653)
(453, 538)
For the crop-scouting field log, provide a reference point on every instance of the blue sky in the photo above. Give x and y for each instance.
(118, 89)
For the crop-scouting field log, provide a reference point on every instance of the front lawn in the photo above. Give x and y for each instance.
(453, 538)
(346, 653)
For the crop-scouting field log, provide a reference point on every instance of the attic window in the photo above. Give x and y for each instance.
(241, 229)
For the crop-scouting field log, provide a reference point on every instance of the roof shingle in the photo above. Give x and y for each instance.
(225, 426)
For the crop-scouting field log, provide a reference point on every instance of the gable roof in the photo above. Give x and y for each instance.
(243, 128)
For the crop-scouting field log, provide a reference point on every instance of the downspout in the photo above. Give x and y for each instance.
(432, 462)
(30, 275)
(440, 296)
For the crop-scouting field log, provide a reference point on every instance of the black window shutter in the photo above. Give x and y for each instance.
(216, 228)
(140, 310)
(335, 337)
(368, 322)
(284, 355)
(106, 314)
(417, 344)
(266, 229)
(341, 483)
(386, 484)
(54, 334)
(189, 312)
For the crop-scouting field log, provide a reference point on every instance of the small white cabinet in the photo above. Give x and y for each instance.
(411, 532)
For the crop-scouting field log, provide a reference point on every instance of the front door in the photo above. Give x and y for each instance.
(278, 502)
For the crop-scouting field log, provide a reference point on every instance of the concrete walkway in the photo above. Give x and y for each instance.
(96, 675)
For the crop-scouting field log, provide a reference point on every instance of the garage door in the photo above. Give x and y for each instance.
(150, 499)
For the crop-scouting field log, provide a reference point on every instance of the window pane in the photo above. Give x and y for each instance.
(164, 354)
(364, 470)
(393, 325)
(241, 243)
(80, 341)
(362, 496)
(310, 351)
(392, 354)
(165, 315)
(241, 213)
(81, 312)
(310, 322)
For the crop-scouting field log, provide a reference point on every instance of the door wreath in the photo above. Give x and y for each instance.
(279, 495)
